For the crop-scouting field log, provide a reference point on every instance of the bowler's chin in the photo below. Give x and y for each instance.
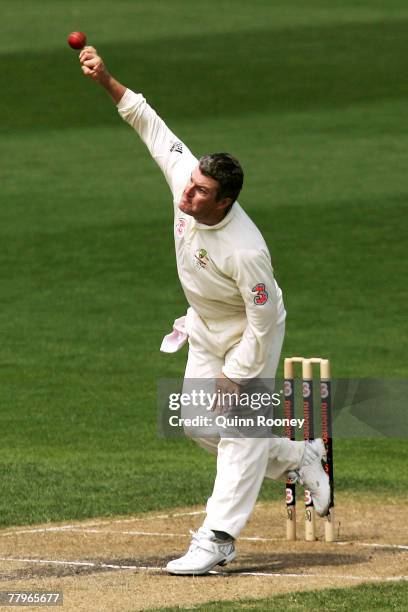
(184, 207)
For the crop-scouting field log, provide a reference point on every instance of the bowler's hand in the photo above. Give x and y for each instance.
(92, 65)
(227, 394)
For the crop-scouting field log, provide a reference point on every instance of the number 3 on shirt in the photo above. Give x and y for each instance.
(261, 294)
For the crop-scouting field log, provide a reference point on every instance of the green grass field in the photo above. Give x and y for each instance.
(314, 103)
(363, 598)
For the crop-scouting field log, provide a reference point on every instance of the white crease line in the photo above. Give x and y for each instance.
(159, 534)
(98, 523)
(214, 573)
(331, 576)
(73, 529)
(136, 533)
(144, 518)
(241, 539)
(95, 531)
(399, 546)
(84, 530)
(46, 530)
(79, 563)
(37, 530)
(373, 545)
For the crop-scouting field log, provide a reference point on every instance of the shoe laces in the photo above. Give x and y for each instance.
(198, 536)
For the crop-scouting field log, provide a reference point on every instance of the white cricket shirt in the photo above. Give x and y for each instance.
(225, 269)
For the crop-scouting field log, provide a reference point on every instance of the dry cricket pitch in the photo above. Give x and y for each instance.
(117, 564)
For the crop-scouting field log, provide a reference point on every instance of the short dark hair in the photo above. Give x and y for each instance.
(225, 169)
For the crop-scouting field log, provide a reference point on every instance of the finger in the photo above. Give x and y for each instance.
(92, 62)
(96, 68)
(90, 57)
(84, 56)
(89, 49)
(87, 71)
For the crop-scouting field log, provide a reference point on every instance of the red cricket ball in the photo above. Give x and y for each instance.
(77, 40)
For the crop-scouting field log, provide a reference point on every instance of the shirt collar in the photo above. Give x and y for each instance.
(202, 226)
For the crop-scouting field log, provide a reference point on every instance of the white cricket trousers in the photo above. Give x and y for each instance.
(242, 463)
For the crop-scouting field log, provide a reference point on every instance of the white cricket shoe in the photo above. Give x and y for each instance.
(313, 477)
(205, 552)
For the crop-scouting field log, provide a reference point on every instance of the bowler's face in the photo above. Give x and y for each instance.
(199, 198)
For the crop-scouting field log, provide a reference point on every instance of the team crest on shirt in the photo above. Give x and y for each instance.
(200, 259)
(181, 226)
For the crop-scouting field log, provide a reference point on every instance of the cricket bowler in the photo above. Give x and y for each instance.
(235, 322)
